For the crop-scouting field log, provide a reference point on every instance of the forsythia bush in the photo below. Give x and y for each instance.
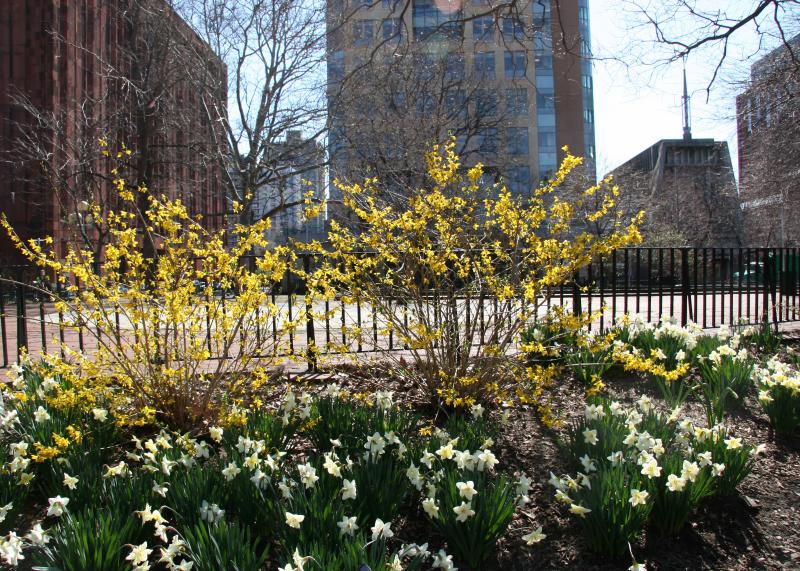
(458, 273)
(168, 343)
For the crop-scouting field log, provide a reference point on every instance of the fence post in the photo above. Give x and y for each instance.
(576, 296)
(686, 290)
(22, 330)
(768, 287)
(311, 353)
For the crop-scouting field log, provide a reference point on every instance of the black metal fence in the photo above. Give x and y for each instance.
(708, 286)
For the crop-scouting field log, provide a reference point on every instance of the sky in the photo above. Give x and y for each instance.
(638, 105)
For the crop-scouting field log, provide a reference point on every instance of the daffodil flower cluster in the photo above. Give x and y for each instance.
(779, 394)
(640, 465)
(466, 500)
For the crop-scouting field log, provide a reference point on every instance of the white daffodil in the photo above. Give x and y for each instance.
(464, 511)
(579, 510)
(638, 497)
(430, 507)
(534, 536)
(466, 490)
(443, 561)
(70, 481)
(381, 530)
(231, 471)
(675, 483)
(37, 536)
(348, 525)
(57, 506)
(348, 490)
(215, 432)
(294, 520)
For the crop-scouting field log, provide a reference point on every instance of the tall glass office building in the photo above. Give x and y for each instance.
(515, 84)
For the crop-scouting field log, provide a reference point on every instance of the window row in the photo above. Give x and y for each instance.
(486, 102)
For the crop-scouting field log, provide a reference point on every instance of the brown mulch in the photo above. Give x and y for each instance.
(759, 529)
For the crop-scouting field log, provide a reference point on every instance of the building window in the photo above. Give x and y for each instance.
(541, 14)
(544, 102)
(519, 179)
(517, 101)
(513, 29)
(363, 33)
(486, 141)
(456, 103)
(544, 63)
(392, 29)
(336, 66)
(426, 104)
(583, 15)
(588, 116)
(587, 82)
(518, 141)
(454, 66)
(484, 65)
(514, 63)
(485, 103)
(547, 139)
(429, 20)
(397, 102)
(483, 29)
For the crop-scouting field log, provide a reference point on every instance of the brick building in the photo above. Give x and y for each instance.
(74, 71)
(686, 187)
(768, 128)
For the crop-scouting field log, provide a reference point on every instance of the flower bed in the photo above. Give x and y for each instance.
(330, 478)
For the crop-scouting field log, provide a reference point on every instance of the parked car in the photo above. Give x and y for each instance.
(750, 273)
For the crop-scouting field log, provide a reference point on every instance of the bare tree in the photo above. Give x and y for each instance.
(274, 51)
(708, 29)
(391, 114)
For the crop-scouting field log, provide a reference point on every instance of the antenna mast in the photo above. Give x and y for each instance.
(687, 122)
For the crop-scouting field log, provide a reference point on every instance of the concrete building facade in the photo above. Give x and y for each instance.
(513, 87)
(75, 61)
(282, 198)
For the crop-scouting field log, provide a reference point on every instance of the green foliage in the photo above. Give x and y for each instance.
(589, 364)
(779, 394)
(93, 539)
(725, 380)
(473, 432)
(351, 423)
(277, 433)
(189, 488)
(764, 336)
(614, 521)
(782, 405)
(671, 465)
(225, 546)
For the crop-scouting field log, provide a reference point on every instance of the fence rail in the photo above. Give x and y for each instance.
(709, 286)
